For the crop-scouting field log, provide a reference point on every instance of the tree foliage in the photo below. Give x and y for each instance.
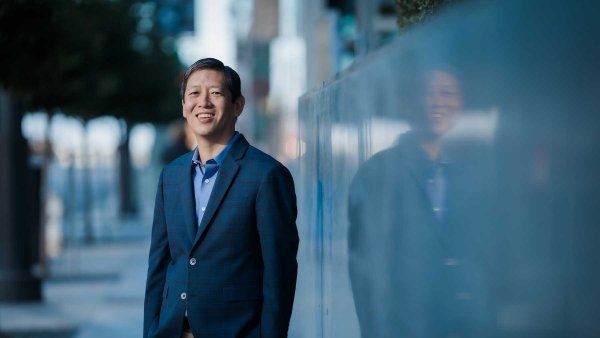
(88, 58)
(413, 11)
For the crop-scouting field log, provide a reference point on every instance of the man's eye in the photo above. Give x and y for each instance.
(193, 93)
(216, 93)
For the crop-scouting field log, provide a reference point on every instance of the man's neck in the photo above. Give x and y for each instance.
(210, 148)
(433, 147)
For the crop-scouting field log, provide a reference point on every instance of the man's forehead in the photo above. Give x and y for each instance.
(206, 84)
(440, 77)
(207, 77)
(208, 73)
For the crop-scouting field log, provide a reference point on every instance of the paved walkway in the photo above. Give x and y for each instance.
(98, 289)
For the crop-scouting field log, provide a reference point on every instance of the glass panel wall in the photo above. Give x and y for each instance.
(448, 183)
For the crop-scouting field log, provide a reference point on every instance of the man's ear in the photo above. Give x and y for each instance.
(239, 105)
(183, 107)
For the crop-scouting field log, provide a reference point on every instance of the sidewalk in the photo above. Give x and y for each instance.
(94, 291)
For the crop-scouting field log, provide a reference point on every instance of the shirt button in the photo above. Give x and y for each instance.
(193, 261)
(206, 180)
(450, 262)
(203, 208)
(436, 209)
(183, 295)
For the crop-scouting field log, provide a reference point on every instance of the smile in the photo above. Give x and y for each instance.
(204, 115)
(437, 115)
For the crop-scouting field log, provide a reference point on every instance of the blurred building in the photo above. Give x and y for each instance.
(213, 34)
(291, 47)
(376, 24)
(281, 48)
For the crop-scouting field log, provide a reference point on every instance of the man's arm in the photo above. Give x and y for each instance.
(157, 262)
(368, 252)
(276, 220)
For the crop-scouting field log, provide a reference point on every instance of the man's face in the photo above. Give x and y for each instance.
(443, 102)
(207, 106)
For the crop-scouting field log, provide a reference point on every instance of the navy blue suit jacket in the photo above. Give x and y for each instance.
(235, 273)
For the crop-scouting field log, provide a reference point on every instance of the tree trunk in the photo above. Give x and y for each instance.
(127, 206)
(88, 226)
(19, 211)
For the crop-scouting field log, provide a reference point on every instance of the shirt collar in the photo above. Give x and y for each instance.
(443, 158)
(219, 158)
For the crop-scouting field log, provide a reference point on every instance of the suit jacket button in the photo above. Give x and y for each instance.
(193, 261)
(183, 295)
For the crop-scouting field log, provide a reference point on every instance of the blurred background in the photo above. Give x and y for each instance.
(506, 245)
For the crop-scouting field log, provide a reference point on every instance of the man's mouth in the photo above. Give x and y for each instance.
(202, 116)
(437, 115)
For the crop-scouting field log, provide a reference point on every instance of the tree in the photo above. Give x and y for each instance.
(82, 57)
(85, 58)
(88, 58)
(413, 11)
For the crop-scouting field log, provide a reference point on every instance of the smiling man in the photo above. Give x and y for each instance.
(222, 258)
(418, 238)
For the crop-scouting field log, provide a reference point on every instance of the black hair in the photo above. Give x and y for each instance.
(232, 79)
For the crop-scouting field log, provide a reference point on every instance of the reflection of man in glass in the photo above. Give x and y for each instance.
(416, 263)
(443, 104)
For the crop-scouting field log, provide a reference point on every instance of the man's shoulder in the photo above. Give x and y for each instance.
(185, 159)
(404, 149)
(387, 158)
(258, 157)
(181, 161)
(385, 166)
(263, 163)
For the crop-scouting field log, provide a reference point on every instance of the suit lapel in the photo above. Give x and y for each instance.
(417, 167)
(415, 164)
(417, 172)
(187, 198)
(227, 173)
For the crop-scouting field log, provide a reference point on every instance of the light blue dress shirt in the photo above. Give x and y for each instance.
(204, 177)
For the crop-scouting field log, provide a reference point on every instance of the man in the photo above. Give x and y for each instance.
(416, 231)
(224, 240)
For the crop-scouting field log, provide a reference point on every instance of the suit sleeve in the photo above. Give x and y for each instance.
(276, 221)
(157, 263)
(369, 256)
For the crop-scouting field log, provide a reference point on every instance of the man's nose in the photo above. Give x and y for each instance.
(434, 100)
(204, 100)
(439, 99)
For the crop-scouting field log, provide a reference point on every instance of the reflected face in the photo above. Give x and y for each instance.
(208, 107)
(443, 102)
